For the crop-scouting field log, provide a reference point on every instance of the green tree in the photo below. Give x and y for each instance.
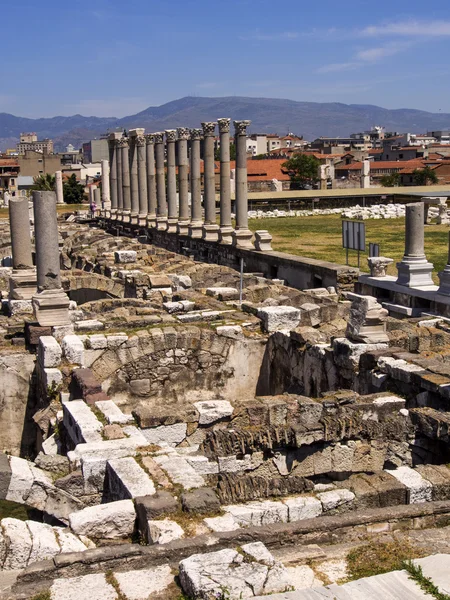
(424, 176)
(391, 180)
(232, 153)
(44, 183)
(73, 191)
(303, 169)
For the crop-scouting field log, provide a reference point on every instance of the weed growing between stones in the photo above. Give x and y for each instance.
(377, 558)
(42, 596)
(109, 576)
(425, 583)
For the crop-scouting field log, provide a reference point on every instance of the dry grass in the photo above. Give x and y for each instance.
(61, 208)
(321, 238)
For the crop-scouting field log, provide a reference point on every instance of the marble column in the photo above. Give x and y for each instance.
(22, 283)
(195, 226)
(183, 180)
(226, 229)
(414, 270)
(242, 236)
(106, 197)
(51, 303)
(161, 202)
(92, 189)
(142, 179)
(365, 174)
(444, 276)
(97, 198)
(113, 173)
(151, 180)
(126, 190)
(59, 188)
(210, 227)
(119, 180)
(171, 138)
(134, 182)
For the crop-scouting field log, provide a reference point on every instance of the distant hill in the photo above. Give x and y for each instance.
(310, 119)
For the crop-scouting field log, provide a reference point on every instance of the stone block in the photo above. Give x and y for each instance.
(85, 587)
(97, 342)
(59, 331)
(310, 315)
(233, 332)
(34, 332)
(180, 282)
(164, 531)
(5, 476)
(112, 412)
(279, 318)
(145, 583)
(51, 378)
(439, 477)
(115, 341)
(168, 435)
(223, 293)
(114, 520)
(73, 349)
(81, 423)
(418, 488)
(49, 352)
(335, 498)
(86, 382)
(20, 307)
(89, 325)
(200, 501)
(125, 256)
(160, 281)
(113, 432)
(126, 479)
(302, 507)
(149, 508)
(211, 411)
(17, 538)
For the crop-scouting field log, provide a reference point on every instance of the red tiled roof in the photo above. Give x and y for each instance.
(8, 162)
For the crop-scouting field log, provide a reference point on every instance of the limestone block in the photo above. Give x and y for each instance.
(142, 584)
(169, 435)
(223, 523)
(201, 464)
(180, 282)
(418, 488)
(255, 514)
(211, 411)
(20, 307)
(85, 587)
(263, 241)
(233, 332)
(68, 542)
(51, 378)
(103, 450)
(279, 318)
(21, 480)
(125, 256)
(49, 352)
(223, 293)
(97, 342)
(335, 498)
(114, 520)
(112, 412)
(18, 541)
(81, 423)
(254, 572)
(310, 314)
(59, 331)
(367, 321)
(149, 508)
(89, 325)
(114, 341)
(302, 507)
(73, 349)
(164, 531)
(160, 281)
(180, 471)
(44, 544)
(200, 501)
(126, 479)
(378, 265)
(231, 464)
(173, 307)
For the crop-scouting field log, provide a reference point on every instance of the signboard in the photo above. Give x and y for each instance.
(374, 250)
(354, 235)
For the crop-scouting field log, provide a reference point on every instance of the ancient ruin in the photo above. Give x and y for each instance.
(186, 410)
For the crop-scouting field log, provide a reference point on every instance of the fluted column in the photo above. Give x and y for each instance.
(226, 229)
(51, 303)
(414, 270)
(142, 179)
(151, 180)
(161, 203)
(134, 182)
(210, 227)
(106, 197)
(126, 189)
(112, 143)
(242, 237)
(119, 180)
(171, 137)
(195, 226)
(183, 182)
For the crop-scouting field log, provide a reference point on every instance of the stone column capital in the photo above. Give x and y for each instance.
(241, 127)
(209, 128)
(150, 138)
(140, 140)
(123, 143)
(171, 135)
(158, 137)
(183, 133)
(196, 134)
(224, 125)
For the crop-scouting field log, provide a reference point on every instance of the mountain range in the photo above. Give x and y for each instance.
(268, 115)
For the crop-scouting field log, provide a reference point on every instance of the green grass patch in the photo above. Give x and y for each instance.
(377, 558)
(425, 583)
(13, 510)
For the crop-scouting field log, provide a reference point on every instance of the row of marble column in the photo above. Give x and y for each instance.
(143, 181)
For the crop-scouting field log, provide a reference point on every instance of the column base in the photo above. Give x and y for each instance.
(242, 238)
(161, 223)
(142, 220)
(126, 217)
(22, 284)
(107, 213)
(134, 219)
(444, 282)
(151, 221)
(413, 272)
(51, 307)
(226, 235)
(210, 233)
(263, 240)
(195, 229)
(183, 228)
(113, 214)
(172, 225)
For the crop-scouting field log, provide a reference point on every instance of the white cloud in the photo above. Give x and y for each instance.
(337, 67)
(410, 28)
(380, 52)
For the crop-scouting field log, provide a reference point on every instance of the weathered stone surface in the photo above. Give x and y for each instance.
(152, 507)
(126, 479)
(419, 489)
(125, 256)
(86, 382)
(300, 508)
(18, 543)
(86, 587)
(168, 435)
(81, 423)
(113, 432)
(73, 349)
(180, 471)
(278, 318)
(49, 351)
(112, 412)
(140, 585)
(233, 332)
(211, 411)
(106, 521)
(200, 501)
(335, 498)
(44, 543)
(164, 531)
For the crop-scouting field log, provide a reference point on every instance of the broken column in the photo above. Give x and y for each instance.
(106, 199)
(195, 226)
(161, 208)
(414, 270)
(210, 227)
(365, 174)
(183, 180)
(171, 138)
(443, 212)
(59, 188)
(142, 179)
(113, 173)
(51, 303)
(22, 283)
(126, 190)
(226, 229)
(151, 180)
(323, 176)
(97, 197)
(444, 276)
(367, 320)
(242, 236)
(134, 184)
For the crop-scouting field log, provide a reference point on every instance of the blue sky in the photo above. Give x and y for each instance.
(115, 57)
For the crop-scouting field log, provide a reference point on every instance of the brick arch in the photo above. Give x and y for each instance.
(88, 287)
